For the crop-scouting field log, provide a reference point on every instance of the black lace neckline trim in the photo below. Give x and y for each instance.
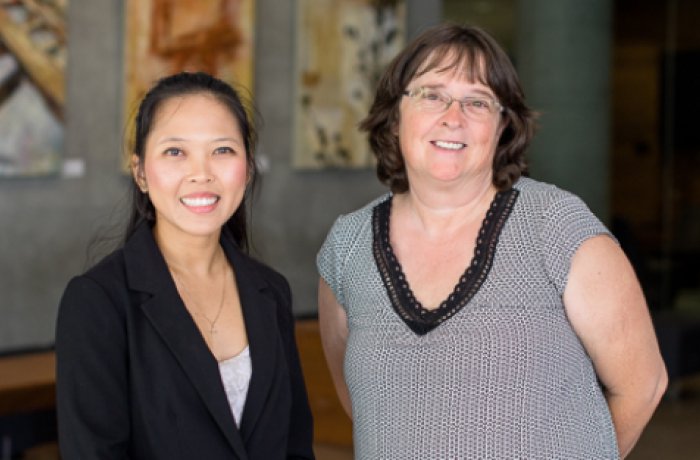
(419, 319)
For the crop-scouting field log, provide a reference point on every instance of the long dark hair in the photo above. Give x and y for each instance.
(181, 84)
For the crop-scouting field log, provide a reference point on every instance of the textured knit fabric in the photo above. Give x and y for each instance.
(235, 375)
(505, 377)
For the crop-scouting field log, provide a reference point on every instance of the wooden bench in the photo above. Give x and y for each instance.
(331, 423)
(27, 402)
(27, 382)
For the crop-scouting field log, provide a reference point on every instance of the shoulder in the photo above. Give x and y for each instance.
(108, 275)
(353, 222)
(137, 259)
(540, 200)
(254, 271)
(346, 233)
(270, 283)
(541, 194)
(350, 233)
(96, 300)
(111, 267)
(109, 281)
(272, 277)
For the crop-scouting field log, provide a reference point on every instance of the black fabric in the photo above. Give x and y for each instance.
(136, 380)
(419, 319)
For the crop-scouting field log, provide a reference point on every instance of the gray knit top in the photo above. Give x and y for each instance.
(495, 372)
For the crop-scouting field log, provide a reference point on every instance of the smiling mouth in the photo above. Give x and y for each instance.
(200, 201)
(449, 145)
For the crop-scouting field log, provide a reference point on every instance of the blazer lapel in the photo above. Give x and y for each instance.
(260, 315)
(147, 272)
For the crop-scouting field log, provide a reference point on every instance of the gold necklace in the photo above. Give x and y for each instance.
(199, 311)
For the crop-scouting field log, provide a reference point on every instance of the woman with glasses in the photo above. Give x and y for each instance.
(472, 312)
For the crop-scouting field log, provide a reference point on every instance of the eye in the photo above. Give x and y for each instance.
(173, 152)
(431, 95)
(478, 103)
(225, 150)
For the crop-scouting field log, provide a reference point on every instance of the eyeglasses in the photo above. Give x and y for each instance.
(436, 101)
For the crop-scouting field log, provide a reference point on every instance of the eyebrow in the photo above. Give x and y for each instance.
(182, 139)
(485, 93)
(477, 92)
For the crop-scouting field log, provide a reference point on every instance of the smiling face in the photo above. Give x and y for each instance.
(195, 167)
(449, 147)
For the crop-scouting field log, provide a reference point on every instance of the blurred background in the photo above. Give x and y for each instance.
(615, 81)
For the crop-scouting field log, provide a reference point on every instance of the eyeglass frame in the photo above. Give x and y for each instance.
(450, 99)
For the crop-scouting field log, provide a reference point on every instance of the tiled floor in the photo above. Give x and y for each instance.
(672, 434)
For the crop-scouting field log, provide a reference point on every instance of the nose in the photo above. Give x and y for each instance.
(200, 170)
(453, 117)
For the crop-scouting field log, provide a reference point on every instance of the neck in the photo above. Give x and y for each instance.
(201, 256)
(437, 211)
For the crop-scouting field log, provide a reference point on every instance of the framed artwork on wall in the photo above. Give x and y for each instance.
(32, 89)
(163, 37)
(342, 46)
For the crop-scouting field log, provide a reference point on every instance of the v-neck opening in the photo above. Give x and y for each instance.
(419, 319)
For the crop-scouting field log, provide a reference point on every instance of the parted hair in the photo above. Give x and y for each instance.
(178, 85)
(450, 48)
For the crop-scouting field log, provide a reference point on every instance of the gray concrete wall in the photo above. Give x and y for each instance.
(564, 60)
(46, 225)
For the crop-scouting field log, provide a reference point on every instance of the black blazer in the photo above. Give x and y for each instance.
(135, 379)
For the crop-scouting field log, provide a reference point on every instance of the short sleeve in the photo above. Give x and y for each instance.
(567, 223)
(330, 257)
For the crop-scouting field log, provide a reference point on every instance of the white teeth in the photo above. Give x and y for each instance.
(195, 202)
(450, 145)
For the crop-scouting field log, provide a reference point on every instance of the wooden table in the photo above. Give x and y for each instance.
(27, 382)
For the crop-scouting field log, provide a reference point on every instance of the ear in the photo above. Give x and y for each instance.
(138, 173)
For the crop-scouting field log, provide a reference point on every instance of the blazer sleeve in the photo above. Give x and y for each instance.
(300, 440)
(91, 374)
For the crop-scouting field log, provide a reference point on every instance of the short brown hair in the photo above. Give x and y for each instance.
(464, 45)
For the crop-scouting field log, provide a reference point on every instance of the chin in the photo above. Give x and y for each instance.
(202, 230)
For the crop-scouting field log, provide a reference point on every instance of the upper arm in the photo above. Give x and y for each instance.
(334, 335)
(606, 307)
(91, 374)
(332, 258)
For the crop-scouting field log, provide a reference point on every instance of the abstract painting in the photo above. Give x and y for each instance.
(32, 89)
(342, 47)
(163, 37)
